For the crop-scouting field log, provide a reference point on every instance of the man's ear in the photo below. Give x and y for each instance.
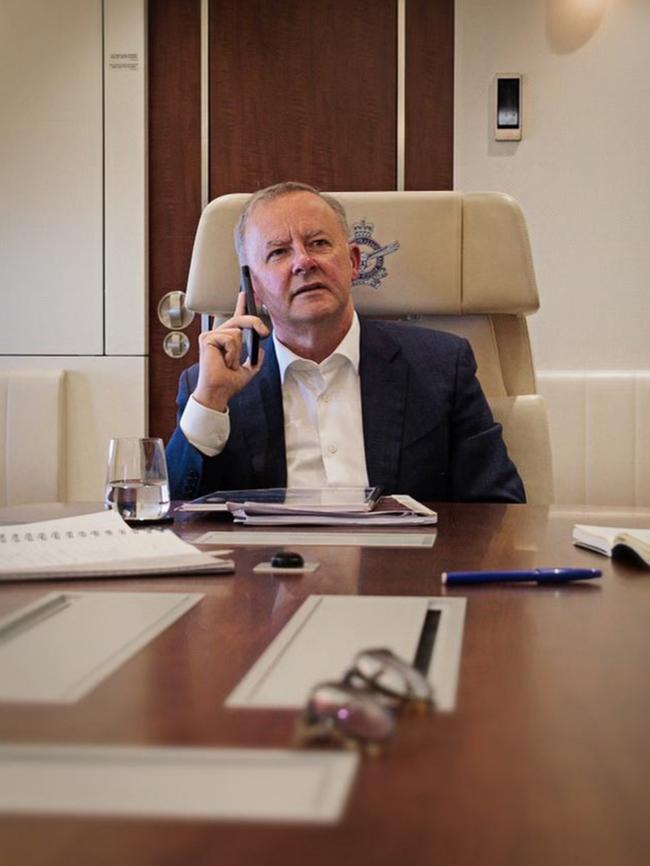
(256, 294)
(259, 301)
(355, 259)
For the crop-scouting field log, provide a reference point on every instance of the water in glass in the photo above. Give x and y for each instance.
(139, 500)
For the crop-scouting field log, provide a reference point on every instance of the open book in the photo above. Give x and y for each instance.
(97, 545)
(614, 541)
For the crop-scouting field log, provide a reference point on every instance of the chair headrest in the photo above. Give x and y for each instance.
(423, 253)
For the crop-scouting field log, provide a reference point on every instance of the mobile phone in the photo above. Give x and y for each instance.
(251, 337)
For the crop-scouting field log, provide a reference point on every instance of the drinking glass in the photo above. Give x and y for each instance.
(137, 484)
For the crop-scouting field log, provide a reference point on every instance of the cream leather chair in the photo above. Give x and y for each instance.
(460, 262)
(32, 436)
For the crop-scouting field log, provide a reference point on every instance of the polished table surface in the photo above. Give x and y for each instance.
(546, 759)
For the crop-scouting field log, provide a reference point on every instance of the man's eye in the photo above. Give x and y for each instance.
(276, 253)
(320, 242)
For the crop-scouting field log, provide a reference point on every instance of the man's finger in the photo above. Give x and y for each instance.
(252, 371)
(240, 306)
(243, 321)
(228, 342)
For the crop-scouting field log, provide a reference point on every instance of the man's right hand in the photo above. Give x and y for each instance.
(221, 373)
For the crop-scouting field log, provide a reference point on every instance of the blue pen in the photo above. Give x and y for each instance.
(537, 575)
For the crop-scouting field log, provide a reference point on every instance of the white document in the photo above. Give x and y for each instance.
(388, 511)
(321, 639)
(97, 545)
(365, 520)
(185, 783)
(64, 644)
(330, 539)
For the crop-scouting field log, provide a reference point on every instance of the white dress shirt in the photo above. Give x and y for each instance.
(323, 426)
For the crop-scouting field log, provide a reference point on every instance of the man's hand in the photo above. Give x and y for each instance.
(221, 374)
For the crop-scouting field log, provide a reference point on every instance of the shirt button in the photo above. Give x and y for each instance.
(325, 398)
(332, 449)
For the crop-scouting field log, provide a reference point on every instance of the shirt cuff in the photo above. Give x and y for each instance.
(205, 429)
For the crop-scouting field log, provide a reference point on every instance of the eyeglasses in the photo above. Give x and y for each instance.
(360, 709)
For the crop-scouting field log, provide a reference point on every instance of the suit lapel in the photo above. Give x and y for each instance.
(261, 408)
(384, 380)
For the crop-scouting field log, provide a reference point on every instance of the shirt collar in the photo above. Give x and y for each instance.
(348, 348)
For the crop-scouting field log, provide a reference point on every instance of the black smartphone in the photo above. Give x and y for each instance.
(251, 337)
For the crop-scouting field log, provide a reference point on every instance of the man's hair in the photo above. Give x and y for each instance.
(276, 191)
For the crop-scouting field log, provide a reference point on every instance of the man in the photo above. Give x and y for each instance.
(332, 401)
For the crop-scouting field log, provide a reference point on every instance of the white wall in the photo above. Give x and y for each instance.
(73, 288)
(582, 176)
(581, 172)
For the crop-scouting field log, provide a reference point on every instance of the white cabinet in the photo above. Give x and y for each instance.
(51, 167)
(73, 214)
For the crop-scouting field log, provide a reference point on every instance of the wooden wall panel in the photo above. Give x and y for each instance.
(299, 90)
(303, 91)
(174, 183)
(429, 145)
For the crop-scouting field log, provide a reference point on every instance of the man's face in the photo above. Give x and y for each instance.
(302, 263)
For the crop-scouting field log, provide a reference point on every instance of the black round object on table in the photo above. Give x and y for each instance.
(287, 559)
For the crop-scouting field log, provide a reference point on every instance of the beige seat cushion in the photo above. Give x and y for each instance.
(526, 434)
(447, 253)
(32, 458)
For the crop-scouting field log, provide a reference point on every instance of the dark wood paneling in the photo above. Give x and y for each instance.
(429, 94)
(303, 91)
(174, 183)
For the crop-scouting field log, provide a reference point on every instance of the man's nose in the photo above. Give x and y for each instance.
(302, 261)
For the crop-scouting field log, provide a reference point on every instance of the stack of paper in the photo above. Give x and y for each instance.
(389, 511)
(97, 545)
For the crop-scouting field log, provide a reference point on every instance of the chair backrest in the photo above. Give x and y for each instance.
(460, 262)
(32, 436)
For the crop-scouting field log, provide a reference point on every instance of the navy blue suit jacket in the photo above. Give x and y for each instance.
(427, 427)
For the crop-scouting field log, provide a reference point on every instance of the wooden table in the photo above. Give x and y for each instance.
(545, 761)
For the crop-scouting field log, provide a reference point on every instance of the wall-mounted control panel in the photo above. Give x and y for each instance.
(507, 115)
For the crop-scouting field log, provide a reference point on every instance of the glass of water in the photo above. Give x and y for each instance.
(137, 485)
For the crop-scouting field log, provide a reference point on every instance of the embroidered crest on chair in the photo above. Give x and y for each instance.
(372, 271)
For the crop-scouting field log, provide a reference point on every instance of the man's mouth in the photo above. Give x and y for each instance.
(308, 287)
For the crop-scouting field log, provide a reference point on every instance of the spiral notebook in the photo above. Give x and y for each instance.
(98, 545)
